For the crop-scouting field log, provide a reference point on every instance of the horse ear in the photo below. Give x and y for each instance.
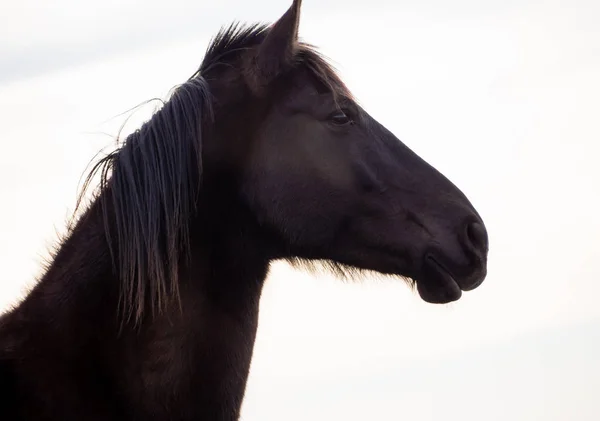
(276, 52)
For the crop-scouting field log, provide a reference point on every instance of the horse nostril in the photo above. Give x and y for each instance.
(477, 236)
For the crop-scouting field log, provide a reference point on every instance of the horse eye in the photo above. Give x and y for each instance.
(340, 118)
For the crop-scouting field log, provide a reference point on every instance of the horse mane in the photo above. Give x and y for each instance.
(151, 182)
(152, 192)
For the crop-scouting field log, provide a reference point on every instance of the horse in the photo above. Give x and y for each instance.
(148, 309)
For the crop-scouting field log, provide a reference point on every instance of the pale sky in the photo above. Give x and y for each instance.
(501, 96)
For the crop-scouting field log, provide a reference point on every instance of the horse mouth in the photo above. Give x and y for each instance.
(437, 285)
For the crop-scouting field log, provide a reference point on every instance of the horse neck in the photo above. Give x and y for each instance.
(78, 280)
(197, 353)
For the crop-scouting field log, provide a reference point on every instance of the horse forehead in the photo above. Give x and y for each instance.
(303, 82)
(300, 90)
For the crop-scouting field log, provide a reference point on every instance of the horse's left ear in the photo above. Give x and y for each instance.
(276, 52)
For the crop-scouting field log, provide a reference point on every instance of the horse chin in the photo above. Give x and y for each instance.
(436, 285)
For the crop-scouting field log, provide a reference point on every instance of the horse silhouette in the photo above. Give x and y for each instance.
(149, 308)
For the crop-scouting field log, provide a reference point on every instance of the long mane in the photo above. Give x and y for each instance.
(148, 193)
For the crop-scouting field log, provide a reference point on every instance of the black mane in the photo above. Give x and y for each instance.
(152, 180)
(151, 184)
(230, 42)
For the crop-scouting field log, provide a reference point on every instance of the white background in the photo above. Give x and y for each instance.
(501, 96)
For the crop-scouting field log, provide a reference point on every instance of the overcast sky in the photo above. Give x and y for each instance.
(501, 96)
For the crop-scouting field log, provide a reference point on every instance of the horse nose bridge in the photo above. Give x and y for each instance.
(424, 177)
(424, 188)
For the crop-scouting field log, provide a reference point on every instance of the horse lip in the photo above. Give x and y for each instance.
(441, 287)
(475, 280)
(442, 268)
(465, 284)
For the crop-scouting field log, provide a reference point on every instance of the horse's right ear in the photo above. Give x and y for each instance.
(276, 52)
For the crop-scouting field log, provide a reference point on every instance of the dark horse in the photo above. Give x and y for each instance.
(149, 307)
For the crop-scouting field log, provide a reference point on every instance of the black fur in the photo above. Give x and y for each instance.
(149, 308)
